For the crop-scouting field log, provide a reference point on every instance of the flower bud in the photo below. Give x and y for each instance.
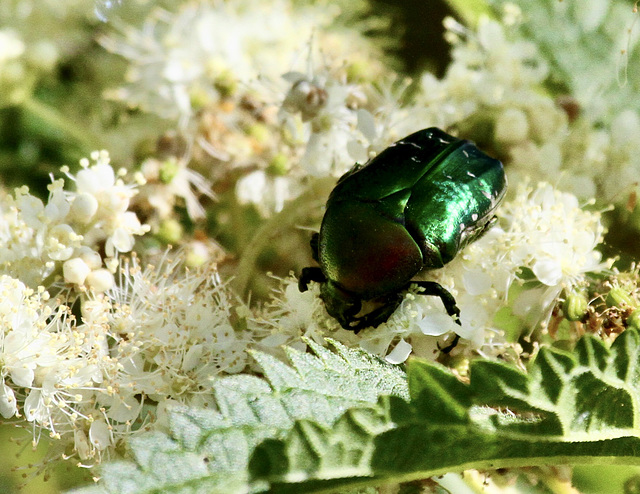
(619, 297)
(279, 165)
(168, 171)
(575, 306)
(75, 271)
(89, 256)
(84, 207)
(100, 280)
(170, 231)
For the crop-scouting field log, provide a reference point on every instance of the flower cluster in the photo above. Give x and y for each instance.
(592, 48)
(157, 336)
(50, 367)
(174, 330)
(326, 123)
(168, 182)
(202, 52)
(276, 129)
(38, 240)
(491, 94)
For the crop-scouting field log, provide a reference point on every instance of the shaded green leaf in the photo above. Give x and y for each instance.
(579, 407)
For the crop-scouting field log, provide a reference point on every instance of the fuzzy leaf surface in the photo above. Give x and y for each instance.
(209, 450)
(576, 408)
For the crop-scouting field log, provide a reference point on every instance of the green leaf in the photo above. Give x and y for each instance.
(591, 394)
(436, 390)
(569, 408)
(572, 408)
(209, 450)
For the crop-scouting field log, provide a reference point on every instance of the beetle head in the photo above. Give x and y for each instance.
(340, 304)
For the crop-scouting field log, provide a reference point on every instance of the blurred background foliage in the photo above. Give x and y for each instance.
(35, 141)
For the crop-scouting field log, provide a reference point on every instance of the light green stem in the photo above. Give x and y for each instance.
(292, 213)
(83, 137)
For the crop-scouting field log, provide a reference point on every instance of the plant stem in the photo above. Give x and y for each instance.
(49, 115)
(292, 213)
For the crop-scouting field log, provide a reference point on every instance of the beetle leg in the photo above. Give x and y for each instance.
(436, 289)
(310, 274)
(378, 315)
(315, 242)
(450, 346)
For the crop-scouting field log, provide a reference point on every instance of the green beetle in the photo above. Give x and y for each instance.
(412, 207)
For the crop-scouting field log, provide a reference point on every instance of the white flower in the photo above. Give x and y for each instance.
(292, 315)
(99, 180)
(174, 56)
(99, 435)
(52, 369)
(170, 180)
(57, 207)
(102, 206)
(320, 102)
(8, 402)
(60, 242)
(561, 236)
(31, 208)
(35, 408)
(175, 331)
(37, 238)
